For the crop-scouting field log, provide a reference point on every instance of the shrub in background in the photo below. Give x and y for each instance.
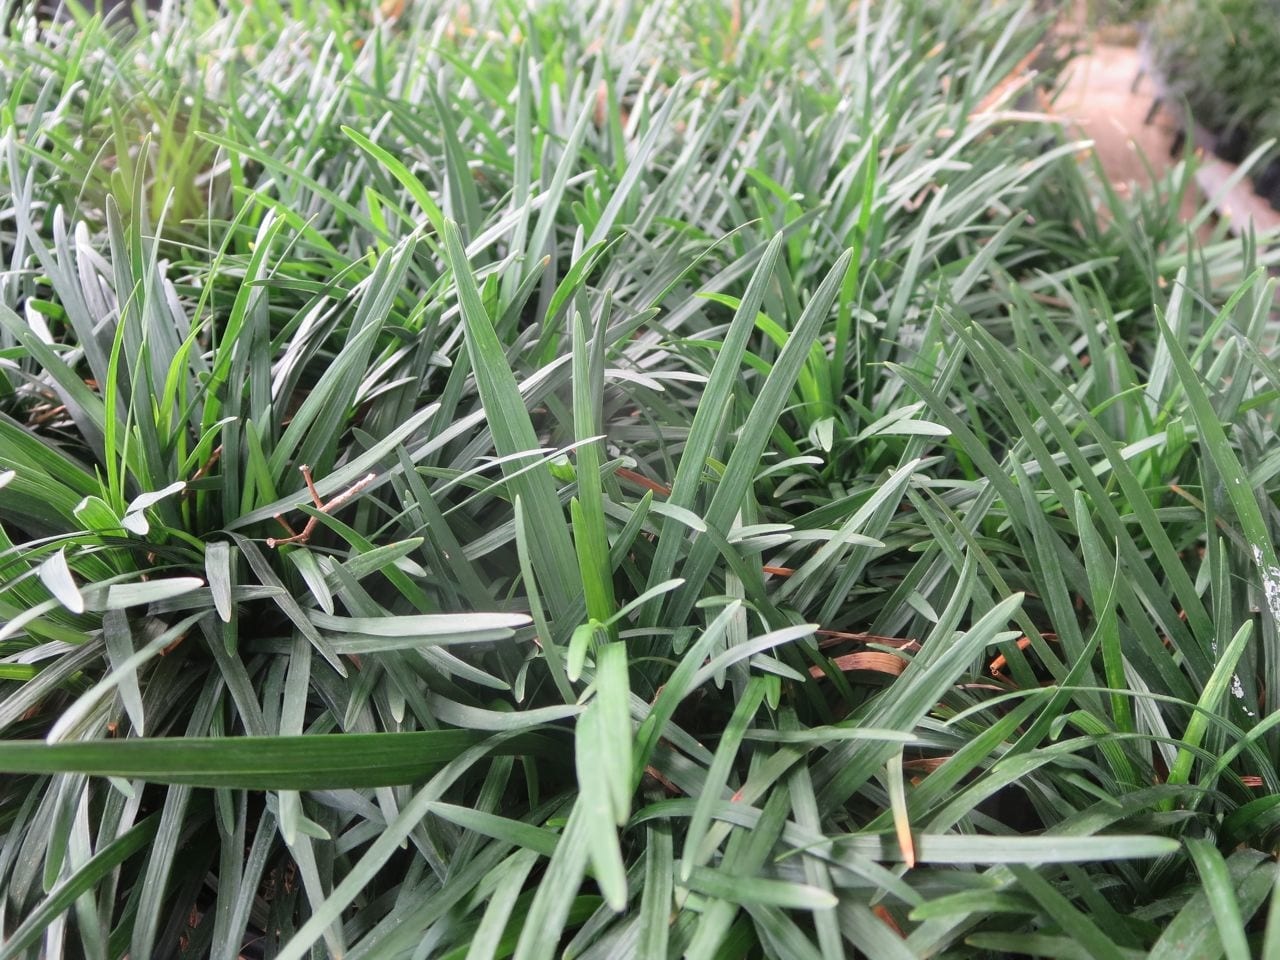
(1221, 58)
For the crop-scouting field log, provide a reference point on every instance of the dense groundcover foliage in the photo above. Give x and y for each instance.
(655, 479)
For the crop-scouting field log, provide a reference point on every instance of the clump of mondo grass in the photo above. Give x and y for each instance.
(647, 480)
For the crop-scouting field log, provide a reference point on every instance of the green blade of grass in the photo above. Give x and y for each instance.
(745, 458)
(512, 432)
(81, 882)
(307, 762)
(705, 431)
(1219, 889)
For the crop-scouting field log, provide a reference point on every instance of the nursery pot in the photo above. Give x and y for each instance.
(1267, 183)
(1232, 143)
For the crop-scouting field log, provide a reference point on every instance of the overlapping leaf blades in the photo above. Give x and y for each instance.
(697, 407)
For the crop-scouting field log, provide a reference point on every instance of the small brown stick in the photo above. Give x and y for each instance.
(881, 911)
(667, 785)
(643, 481)
(43, 414)
(205, 467)
(1000, 662)
(173, 646)
(320, 505)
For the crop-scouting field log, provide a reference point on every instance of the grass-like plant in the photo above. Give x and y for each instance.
(647, 479)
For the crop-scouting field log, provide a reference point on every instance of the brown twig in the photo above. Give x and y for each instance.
(205, 467)
(1000, 662)
(320, 505)
(643, 481)
(44, 413)
(208, 465)
(667, 785)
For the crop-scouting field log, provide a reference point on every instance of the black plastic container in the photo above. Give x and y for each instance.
(1232, 144)
(1267, 183)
